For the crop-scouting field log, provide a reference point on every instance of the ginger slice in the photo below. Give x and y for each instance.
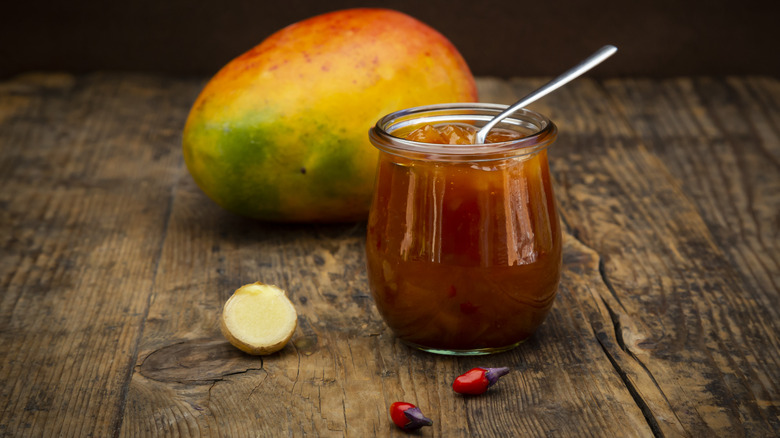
(259, 319)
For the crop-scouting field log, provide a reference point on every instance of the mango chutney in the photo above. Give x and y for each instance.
(464, 243)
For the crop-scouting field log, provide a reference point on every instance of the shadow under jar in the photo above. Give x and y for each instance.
(464, 241)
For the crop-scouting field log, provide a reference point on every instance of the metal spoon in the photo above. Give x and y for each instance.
(587, 64)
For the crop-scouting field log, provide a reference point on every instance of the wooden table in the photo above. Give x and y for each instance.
(115, 266)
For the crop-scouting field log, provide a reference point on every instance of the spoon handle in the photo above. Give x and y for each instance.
(574, 72)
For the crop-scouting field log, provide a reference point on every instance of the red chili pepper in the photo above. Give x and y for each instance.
(408, 416)
(477, 380)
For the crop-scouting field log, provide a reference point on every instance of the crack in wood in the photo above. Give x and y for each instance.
(617, 326)
(619, 329)
(258, 385)
(646, 411)
(242, 372)
(611, 289)
(644, 407)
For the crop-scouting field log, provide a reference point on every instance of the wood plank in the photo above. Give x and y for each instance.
(686, 317)
(721, 142)
(114, 267)
(86, 177)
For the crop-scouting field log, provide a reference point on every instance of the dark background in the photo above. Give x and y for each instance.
(497, 38)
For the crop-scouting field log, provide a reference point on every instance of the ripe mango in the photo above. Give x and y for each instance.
(280, 133)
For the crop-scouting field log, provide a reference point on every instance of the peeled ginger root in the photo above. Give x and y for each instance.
(259, 319)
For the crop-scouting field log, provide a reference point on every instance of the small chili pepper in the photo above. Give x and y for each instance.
(408, 416)
(477, 380)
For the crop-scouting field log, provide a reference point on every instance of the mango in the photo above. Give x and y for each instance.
(280, 133)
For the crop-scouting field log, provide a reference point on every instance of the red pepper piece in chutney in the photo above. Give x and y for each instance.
(478, 380)
(408, 416)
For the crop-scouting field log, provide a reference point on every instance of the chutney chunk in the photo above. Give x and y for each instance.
(451, 133)
(427, 134)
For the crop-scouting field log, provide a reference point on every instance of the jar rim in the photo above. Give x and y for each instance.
(543, 133)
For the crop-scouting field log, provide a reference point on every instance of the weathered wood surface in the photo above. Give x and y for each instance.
(114, 267)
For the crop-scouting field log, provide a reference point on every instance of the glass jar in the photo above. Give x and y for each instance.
(464, 242)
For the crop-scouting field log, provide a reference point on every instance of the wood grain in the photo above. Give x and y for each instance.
(114, 267)
(682, 307)
(87, 171)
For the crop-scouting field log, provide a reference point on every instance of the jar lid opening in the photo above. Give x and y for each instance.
(537, 131)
